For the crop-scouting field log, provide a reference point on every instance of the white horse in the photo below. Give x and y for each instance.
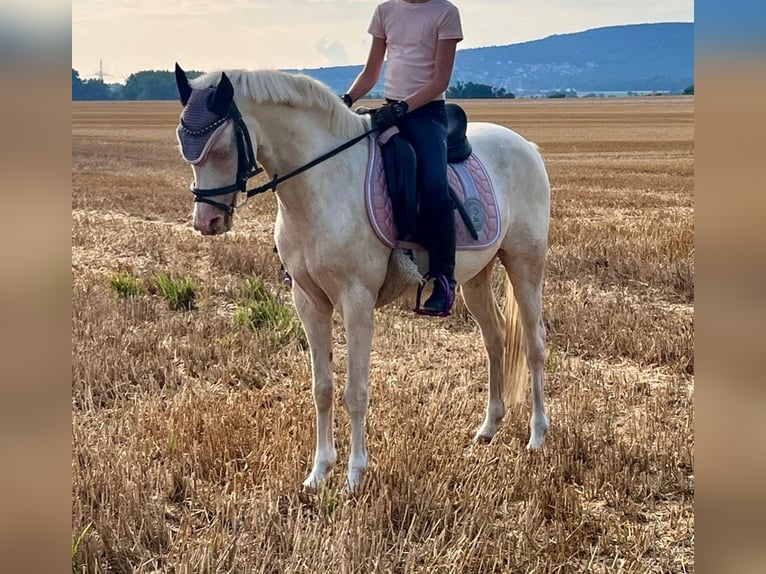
(337, 262)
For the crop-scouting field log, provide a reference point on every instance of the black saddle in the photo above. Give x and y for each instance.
(458, 146)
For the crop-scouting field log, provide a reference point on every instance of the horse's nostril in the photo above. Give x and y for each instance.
(215, 223)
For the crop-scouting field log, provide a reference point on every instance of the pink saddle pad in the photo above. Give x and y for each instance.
(471, 183)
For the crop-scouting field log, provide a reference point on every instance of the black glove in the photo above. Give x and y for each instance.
(387, 116)
(347, 99)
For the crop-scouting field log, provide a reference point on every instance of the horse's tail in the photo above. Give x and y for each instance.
(515, 369)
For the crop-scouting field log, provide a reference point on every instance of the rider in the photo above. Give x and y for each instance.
(419, 38)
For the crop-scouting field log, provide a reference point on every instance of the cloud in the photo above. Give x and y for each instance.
(333, 52)
(213, 34)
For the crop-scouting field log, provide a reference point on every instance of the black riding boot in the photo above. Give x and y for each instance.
(441, 266)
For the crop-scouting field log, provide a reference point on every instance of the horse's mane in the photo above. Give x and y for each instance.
(298, 90)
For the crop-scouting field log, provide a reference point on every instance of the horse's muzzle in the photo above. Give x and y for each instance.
(212, 223)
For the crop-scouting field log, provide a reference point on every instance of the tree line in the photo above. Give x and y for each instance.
(477, 91)
(161, 85)
(145, 85)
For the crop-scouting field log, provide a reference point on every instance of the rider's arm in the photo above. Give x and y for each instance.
(445, 60)
(368, 77)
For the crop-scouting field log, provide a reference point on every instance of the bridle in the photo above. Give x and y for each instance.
(247, 166)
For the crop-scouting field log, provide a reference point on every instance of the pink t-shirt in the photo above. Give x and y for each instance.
(411, 32)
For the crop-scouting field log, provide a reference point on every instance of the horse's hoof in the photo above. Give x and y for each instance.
(534, 444)
(538, 429)
(536, 441)
(313, 484)
(354, 482)
(482, 439)
(310, 487)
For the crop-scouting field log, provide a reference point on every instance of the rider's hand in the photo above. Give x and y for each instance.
(387, 116)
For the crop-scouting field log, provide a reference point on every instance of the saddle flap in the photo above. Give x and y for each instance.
(471, 185)
(400, 169)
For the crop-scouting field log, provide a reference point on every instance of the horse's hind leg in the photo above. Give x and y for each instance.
(316, 317)
(526, 273)
(481, 302)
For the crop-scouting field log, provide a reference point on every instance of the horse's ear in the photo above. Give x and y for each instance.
(182, 83)
(222, 97)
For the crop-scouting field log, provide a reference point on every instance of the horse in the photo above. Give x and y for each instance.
(336, 261)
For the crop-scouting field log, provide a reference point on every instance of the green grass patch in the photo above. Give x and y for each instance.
(127, 286)
(328, 501)
(181, 294)
(76, 544)
(263, 312)
(254, 289)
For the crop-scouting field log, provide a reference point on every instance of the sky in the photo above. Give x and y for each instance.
(126, 36)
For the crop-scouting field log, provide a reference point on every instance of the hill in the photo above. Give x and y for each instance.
(652, 57)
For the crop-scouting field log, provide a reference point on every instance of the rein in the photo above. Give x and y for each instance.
(247, 166)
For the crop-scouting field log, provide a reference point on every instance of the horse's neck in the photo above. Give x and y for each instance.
(289, 138)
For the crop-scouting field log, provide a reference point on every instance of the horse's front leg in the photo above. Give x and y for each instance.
(357, 307)
(316, 316)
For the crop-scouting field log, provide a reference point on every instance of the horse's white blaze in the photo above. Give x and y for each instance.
(337, 262)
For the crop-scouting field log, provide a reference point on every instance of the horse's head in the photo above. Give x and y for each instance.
(215, 142)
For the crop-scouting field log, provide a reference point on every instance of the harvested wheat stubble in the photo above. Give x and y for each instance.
(192, 432)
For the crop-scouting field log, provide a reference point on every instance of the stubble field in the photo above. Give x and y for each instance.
(193, 429)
